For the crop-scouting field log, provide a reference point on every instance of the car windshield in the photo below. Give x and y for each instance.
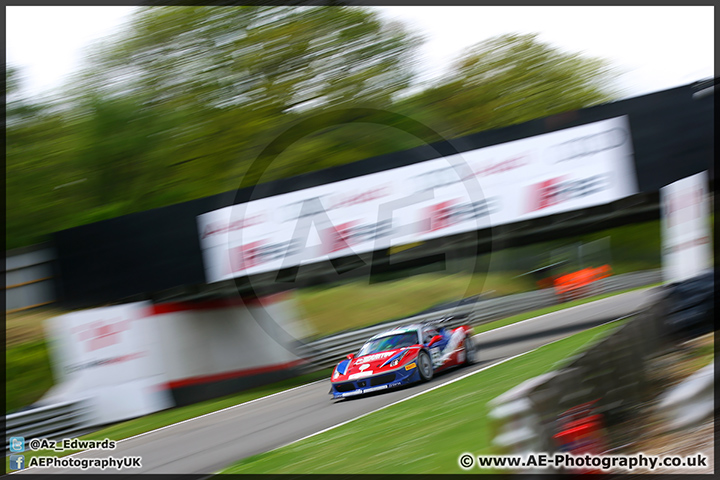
(389, 342)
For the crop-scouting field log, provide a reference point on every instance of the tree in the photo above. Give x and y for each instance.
(17, 108)
(511, 79)
(181, 102)
(234, 78)
(274, 59)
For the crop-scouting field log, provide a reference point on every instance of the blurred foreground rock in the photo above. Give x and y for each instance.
(657, 431)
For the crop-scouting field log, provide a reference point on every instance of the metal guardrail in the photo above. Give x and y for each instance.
(327, 351)
(52, 421)
(627, 280)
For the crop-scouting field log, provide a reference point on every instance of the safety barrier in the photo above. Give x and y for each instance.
(52, 421)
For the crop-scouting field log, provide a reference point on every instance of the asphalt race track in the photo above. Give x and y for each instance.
(206, 444)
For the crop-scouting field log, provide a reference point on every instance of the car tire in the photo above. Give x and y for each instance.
(470, 351)
(424, 366)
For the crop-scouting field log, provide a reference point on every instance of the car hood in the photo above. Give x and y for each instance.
(368, 365)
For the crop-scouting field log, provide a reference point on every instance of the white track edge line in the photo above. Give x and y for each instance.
(189, 420)
(222, 410)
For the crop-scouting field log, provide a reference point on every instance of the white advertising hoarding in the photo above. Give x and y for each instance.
(223, 342)
(130, 360)
(685, 228)
(556, 172)
(110, 356)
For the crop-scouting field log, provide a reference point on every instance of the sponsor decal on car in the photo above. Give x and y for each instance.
(360, 375)
(372, 389)
(360, 391)
(375, 356)
(410, 366)
(354, 392)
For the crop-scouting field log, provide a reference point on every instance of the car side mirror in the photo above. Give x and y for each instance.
(350, 356)
(435, 339)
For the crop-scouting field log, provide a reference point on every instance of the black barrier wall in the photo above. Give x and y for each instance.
(135, 256)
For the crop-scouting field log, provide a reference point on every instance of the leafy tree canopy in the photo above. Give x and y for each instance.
(268, 58)
(512, 79)
(180, 103)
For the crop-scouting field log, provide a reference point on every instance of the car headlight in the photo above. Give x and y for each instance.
(394, 362)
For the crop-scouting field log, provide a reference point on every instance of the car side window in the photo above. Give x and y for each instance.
(428, 334)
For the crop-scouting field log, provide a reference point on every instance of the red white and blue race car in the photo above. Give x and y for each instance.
(402, 355)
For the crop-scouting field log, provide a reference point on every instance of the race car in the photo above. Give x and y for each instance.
(402, 355)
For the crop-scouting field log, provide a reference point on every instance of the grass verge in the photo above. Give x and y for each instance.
(28, 374)
(452, 421)
(359, 304)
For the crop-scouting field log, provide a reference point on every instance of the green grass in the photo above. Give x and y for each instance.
(702, 353)
(425, 434)
(359, 304)
(168, 417)
(28, 374)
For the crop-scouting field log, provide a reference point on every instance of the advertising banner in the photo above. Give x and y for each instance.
(130, 360)
(532, 177)
(110, 356)
(685, 228)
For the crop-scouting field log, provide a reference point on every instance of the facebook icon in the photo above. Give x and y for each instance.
(17, 462)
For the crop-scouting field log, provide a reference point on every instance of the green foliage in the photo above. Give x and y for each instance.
(179, 104)
(267, 58)
(632, 246)
(512, 79)
(28, 373)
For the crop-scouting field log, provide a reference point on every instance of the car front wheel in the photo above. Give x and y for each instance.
(469, 347)
(425, 366)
